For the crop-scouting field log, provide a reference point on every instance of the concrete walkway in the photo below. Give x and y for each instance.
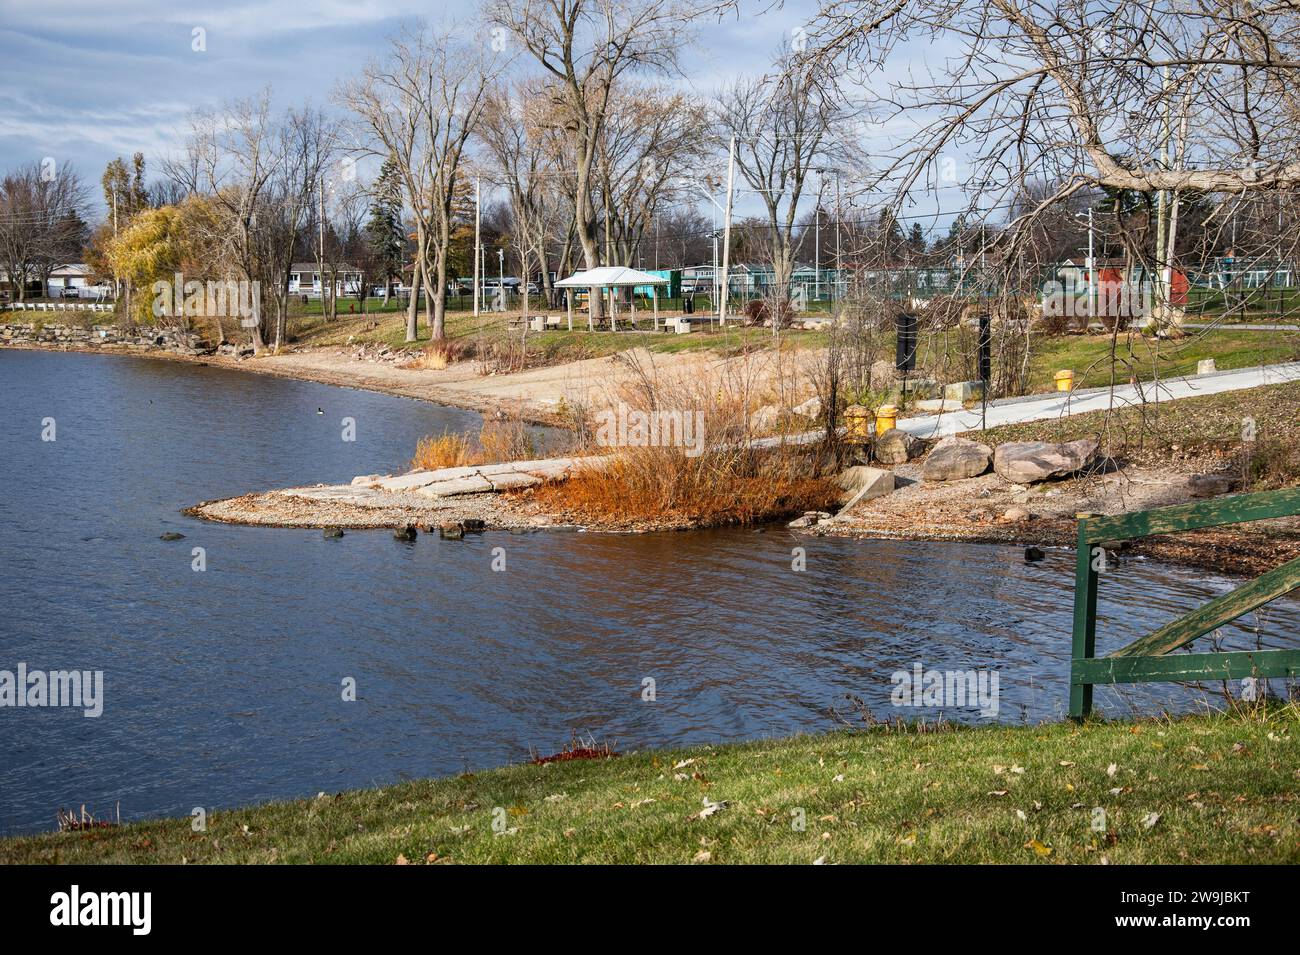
(1238, 327)
(1063, 404)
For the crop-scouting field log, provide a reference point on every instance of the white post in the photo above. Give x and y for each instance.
(476, 244)
(817, 252)
(501, 277)
(568, 300)
(726, 234)
(1092, 274)
(654, 299)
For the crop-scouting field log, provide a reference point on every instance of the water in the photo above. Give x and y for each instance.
(225, 687)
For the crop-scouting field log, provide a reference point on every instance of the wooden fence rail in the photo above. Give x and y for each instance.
(1149, 658)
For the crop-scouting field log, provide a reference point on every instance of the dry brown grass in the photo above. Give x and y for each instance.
(664, 487)
(719, 480)
(497, 442)
(447, 450)
(440, 354)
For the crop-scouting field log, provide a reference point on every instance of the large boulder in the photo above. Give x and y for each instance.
(862, 483)
(1211, 485)
(954, 459)
(895, 447)
(882, 375)
(765, 419)
(812, 408)
(1024, 462)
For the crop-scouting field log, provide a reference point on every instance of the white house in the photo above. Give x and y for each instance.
(71, 281)
(304, 279)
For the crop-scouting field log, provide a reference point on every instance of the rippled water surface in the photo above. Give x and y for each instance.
(224, 687)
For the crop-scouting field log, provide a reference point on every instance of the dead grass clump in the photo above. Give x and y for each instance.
(497, 442)
(666, 487)
(440, 354)
(446, 450)
(509, 440)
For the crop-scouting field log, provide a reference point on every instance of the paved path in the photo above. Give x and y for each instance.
(1238, 327)
(1059, 405)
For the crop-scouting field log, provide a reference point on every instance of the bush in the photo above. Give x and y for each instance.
(665, 487)
(759, 312)
(498, 441)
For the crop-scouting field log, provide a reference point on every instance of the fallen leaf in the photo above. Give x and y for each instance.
(1038, 847)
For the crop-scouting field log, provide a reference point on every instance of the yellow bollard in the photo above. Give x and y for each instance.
(1064, 380)
(857, 424)
(886, 418)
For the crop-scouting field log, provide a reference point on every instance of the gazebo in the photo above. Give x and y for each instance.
(611, 277)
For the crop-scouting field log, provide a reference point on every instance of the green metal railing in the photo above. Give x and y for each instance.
(1150, 659)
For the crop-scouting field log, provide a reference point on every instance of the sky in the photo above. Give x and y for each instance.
(84, 81)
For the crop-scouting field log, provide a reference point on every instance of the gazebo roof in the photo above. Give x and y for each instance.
(608, 276)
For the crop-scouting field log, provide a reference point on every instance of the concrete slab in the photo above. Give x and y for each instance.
(472, 484)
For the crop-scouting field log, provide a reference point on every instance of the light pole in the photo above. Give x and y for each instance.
(726, 236)
(713, 212)
(477, 218)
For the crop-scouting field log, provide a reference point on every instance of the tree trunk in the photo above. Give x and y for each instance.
(438, 323)
(413, 306)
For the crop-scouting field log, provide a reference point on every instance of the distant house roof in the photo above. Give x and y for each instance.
(329, 267)
(70, 270)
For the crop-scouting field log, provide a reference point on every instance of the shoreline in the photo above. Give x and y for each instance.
(966, 509)
(427, 392)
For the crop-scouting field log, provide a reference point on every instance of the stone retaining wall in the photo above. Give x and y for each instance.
(101, 336)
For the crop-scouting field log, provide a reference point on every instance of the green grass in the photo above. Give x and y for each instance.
(1088, 356)
(1224, 789)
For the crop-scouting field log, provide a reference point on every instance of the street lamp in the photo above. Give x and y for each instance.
(714, 235)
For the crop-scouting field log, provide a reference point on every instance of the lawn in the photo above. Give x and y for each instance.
(1207, 789)
(1088, 356)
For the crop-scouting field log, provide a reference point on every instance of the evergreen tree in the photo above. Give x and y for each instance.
(385, 233)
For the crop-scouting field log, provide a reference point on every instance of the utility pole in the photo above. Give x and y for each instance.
(320, 248)
(839, 231)
(477, 216)
(726, 235)
(1162, 278)
(817, 252)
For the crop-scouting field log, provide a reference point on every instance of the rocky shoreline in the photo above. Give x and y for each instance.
(980, 508)
(73, 337)
(989, 509)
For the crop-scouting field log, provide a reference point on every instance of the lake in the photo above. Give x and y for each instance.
(225, 686)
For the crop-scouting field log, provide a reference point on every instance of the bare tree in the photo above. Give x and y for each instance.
(40, 222)
(652, 139)
(587, 46)
(421, 105)
(1169, 98)
(786, 125)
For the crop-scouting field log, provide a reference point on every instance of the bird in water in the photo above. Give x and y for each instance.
(318, 411)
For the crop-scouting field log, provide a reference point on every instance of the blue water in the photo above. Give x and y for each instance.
(224, 687)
